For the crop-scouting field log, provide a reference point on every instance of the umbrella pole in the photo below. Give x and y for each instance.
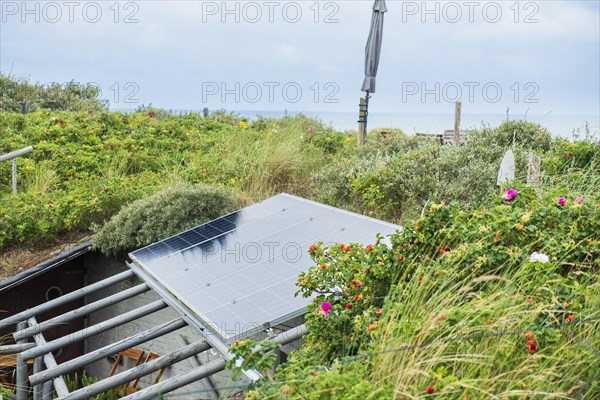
(363, 112)
(366, 116)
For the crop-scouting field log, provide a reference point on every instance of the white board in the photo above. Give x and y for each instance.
(507, 168)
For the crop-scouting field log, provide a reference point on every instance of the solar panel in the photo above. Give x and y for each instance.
(238, 273)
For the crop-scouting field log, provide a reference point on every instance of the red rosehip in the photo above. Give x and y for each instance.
(356, 298)
(285, 391)
(369, 247)
(447, 248)
(346, 248)
(323, 265)
(532, 351)
(441, 250)
(358, 286)
(430, 389)
(348, 306)
(529, 335)
(400, 258)
(532, 345)
(570, 318)
(353, 281)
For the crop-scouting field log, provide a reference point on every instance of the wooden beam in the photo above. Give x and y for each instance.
(77, 294)
(95, 329)
(166, 386)
(137, 372)
(80, 312)
(59, 383)
(113, 348)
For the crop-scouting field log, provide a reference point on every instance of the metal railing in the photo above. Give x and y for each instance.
(13, 156)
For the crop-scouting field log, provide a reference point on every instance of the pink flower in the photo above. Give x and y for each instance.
(580, 200)
(311, 130)
(326, 307)
(562, 201)
(510, 194)
(151, 115)
(92, 115)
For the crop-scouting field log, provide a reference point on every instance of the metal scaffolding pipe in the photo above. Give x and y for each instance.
(166, 386)
(113, 348)
(24, 315)
(95, 329)
(15, 348)
(59, 383)
(81, 311)
(195, 363)
(137, 372)
(21, 393)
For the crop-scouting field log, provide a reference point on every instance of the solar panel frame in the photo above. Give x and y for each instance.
(204, 296)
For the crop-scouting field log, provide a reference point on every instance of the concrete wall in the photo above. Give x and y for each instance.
(98, 268)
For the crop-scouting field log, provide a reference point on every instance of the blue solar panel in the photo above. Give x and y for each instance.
(238, 272)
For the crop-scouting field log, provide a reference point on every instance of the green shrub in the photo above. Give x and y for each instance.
(394, 178)
(161, 215)
(449, 301)
(514, 132)
(70, 96)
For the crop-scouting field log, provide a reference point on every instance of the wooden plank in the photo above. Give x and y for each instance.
(77, 294)
(80, 312)
(95, 329)
(114, 348)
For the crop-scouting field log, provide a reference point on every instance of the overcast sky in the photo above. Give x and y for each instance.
(530, 56)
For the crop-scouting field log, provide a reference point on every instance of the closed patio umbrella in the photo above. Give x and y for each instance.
(372, 54)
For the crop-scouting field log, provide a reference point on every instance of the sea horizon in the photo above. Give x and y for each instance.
(560, 125)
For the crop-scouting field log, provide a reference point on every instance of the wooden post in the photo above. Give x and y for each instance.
(533, 169)
(363, 111)
(457, 109)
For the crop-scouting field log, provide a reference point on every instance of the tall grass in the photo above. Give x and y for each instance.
(465, 335)
(41, 179)
(260, 164)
